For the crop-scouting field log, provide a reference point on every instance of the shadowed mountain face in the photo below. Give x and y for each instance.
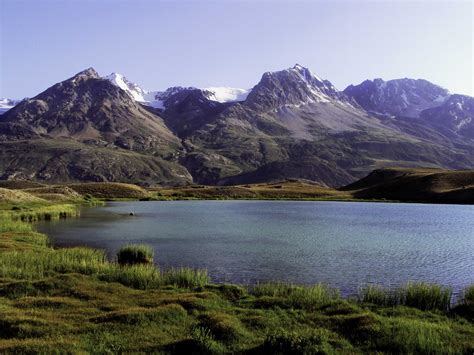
(292, 124)
(456, 114)
(425, 185)
(400, 97)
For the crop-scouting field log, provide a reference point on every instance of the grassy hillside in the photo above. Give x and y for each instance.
(421, 185)
(290, 189)
(110, 190)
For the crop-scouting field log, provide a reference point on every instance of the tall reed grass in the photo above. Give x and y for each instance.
(419, 295)
(32, 213)
(34, 265)
(468, 296)
(297, 296)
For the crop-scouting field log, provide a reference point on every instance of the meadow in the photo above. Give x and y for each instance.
(76, 300)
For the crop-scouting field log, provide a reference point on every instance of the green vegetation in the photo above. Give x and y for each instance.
(418, 295)
(135, 254)
(296, 296)
(75, 300)
(468, 296)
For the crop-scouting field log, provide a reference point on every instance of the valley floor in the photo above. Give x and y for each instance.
(75, 300)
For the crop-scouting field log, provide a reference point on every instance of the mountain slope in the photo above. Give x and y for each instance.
(81, 129)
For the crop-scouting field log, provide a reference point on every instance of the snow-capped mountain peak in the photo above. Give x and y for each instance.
(149, 98)
(135, 91)
(156, 98)
(295, 86)
(305, 73)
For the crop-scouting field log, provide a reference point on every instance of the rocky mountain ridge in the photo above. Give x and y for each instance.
(291, 124)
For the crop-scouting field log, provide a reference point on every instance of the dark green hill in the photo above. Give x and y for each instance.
(421, 185)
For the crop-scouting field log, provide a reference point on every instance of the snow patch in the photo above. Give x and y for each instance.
(149, 98)
(226, 94)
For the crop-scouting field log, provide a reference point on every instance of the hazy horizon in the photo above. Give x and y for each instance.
(203, 43)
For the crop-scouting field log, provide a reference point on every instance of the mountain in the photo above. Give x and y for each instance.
(156, 99)
(293, 86)
(399, 97)
(294, 124)
(7, 104)
(87, 128)
(291, 124)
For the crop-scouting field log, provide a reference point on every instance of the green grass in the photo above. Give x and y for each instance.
(34, 212)
(304, 341)
(419, 295)
(33, 265)
(307, 297)
(426, 296)
(8, 225)
(135, 254)
(76, 301)
(468, 295)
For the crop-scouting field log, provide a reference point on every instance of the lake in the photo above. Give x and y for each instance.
(343, 244)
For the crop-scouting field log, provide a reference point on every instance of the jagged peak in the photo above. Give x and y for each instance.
(89, 72)
(299, 67)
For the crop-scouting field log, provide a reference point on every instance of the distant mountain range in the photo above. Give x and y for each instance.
(292, 124)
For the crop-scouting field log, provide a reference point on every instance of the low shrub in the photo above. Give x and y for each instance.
(135, 254)
(222, 326)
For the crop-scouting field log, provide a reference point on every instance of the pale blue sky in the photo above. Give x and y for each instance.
(158, 44)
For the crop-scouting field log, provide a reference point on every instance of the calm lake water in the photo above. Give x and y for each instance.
(343, 244)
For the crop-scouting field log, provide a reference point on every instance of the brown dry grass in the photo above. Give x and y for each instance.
(16, 196)
(110, 190)
(281, 190)
(54, 193)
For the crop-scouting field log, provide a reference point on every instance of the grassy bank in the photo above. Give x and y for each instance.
(287, 190)
(75, 300)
